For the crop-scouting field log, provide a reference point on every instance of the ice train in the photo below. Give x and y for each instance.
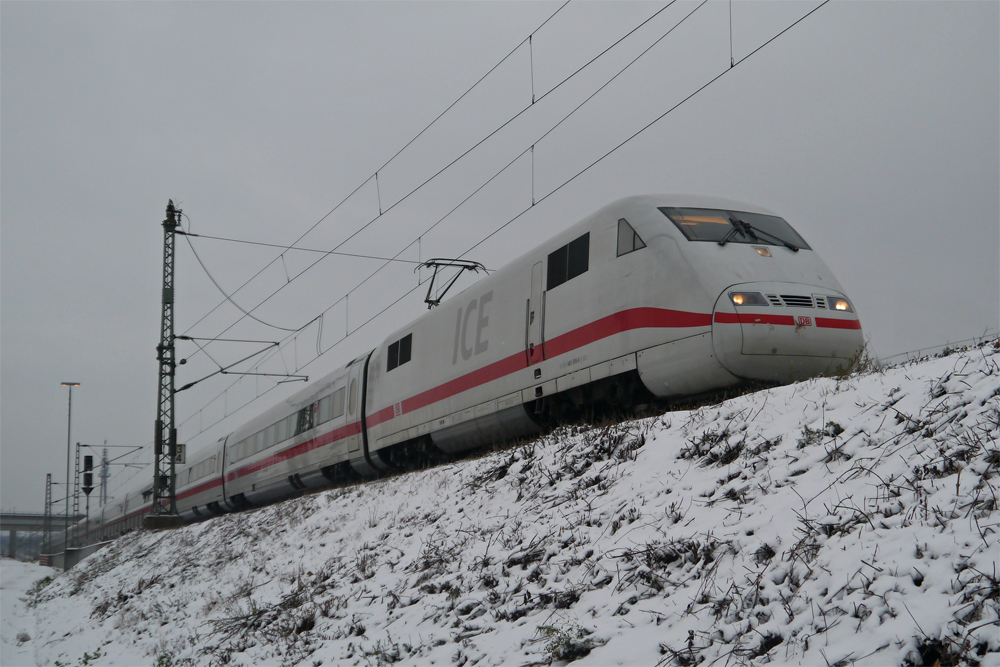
(660, 295)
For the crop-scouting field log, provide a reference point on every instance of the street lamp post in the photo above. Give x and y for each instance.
(69, 427)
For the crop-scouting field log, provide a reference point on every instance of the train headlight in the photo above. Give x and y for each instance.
(836, 303)
(747, 299)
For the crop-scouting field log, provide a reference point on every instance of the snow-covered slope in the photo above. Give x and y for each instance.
(831, 522)
(17, 625)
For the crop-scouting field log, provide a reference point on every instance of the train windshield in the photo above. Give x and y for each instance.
(703, 224)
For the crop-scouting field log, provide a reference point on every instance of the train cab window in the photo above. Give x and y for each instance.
(354, 396)
(568, 262)
(399, 352)
(628, 240)
(722, 226)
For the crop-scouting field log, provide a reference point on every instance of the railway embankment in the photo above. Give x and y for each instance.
(836, 521)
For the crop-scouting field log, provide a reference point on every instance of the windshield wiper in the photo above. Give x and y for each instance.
(739, 227)
(746, 229)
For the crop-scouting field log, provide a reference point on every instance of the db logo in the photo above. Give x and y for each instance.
(397, 409)
(804, 321)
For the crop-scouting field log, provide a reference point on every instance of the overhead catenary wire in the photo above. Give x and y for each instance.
(285, 248)
(227, 413)
(732, 61)
(572, 178)
(439, 172)
(619, 73)
(650, 124)
(347, 302)
(347, 331)
(346, 297)
(228, 297)
(394, 156)
(298, 248)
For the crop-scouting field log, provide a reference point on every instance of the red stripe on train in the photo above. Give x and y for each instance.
(830, 323)
(301, 448)
(210, 484)
(626, 320)
(785, 320)
(753, 318)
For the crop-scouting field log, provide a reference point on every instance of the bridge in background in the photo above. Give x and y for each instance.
(31, 522)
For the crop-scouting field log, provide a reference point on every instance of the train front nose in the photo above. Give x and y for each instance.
(782, 332)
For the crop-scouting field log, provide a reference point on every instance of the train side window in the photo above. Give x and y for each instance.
(628, 239)
(354, 396)
(338, 402)
(569, 261)
(579, 257)
(557, 267)
(324, 412)
(405, 348)
(399, 352)
(305, 419)
(393, 359)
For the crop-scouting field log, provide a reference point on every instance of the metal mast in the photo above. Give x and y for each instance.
(47, 538)
(164, 511)
(76, 498)
(105, 473)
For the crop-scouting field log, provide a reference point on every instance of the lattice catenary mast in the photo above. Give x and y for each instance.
(164, 511)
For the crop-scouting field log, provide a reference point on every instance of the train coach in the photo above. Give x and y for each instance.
(655, 295)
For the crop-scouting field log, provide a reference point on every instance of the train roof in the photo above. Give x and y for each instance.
(685, 201)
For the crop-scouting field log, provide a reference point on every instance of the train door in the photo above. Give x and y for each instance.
(535, 315)
(354, 389)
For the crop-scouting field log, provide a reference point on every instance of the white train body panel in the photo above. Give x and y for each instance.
(601, 299)
(661, 309)
(199, 484)
(278, 453)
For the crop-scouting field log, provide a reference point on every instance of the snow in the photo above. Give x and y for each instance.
(17, 622)
(831, 522)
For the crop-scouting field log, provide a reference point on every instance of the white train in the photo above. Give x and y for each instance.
(659, 295)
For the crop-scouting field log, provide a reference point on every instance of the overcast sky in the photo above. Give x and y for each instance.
(871, 127)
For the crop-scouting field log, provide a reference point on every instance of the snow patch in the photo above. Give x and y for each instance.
(836, 521)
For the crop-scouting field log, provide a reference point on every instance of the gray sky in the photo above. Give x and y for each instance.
(872, 127)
